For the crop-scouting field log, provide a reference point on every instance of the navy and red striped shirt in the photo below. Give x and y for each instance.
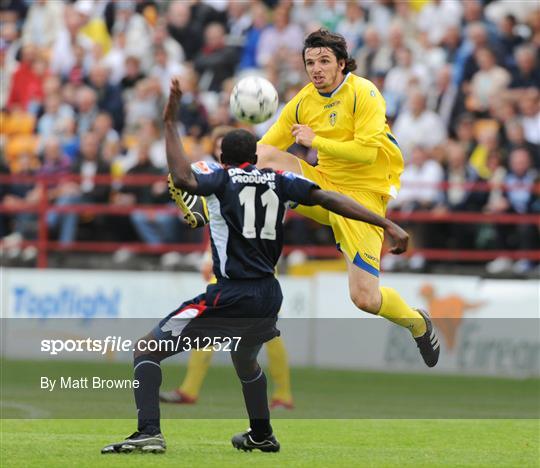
(247, 206)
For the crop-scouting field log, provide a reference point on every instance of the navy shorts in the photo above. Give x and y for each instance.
(245, 309)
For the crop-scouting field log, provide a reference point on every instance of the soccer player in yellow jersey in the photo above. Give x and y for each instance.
(342, 116)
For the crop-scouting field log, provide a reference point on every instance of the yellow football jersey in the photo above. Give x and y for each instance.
(356, 149)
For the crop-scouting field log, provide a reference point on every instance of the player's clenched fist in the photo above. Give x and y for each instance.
(303, 134)
(400, 239)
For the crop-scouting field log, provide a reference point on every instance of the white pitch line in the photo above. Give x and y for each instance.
(31, 412)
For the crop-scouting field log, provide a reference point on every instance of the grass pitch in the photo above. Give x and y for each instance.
(305, 443)
(319, 394)
(342, 419)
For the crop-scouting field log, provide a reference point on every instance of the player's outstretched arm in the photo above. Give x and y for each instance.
(179, 164)
(347, 207)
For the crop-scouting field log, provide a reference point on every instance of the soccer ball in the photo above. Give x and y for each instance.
(253, 100)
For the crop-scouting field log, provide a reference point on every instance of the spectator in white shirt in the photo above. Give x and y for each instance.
(401, 77)
(42, 23)
(420, 191)
(352, 26)
(161, 37)
(529, 106)
(164, 69)
(138, 33)
(380, 15)
(396, 40)
(279, 39)
(418, 126)
(438, 15)
(306, 12)
(420, 181)
(63, 50)
(116, 58)
(488, 81)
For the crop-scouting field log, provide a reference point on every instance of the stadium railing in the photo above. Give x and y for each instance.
(45, 245)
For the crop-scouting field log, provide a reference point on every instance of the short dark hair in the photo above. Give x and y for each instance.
(335, 42)
(237, 147)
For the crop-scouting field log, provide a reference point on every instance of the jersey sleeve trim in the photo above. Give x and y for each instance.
(297, 111)
(392, 138)
(203, 167)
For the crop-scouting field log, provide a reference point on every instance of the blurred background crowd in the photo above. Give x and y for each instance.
(83, 86)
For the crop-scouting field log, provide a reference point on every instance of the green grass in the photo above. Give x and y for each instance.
(305, 443)
(342, 419)
(321, 394)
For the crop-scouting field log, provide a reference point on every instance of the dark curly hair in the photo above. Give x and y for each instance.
(237, 147)
(333, 41)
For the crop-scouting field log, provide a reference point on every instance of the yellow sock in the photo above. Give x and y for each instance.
(198, 364)
(395, 309)
(279, 369)
(317, 213)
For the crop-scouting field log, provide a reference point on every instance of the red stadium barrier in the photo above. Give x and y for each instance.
(416, 216)
(141, 179)
(44, 207)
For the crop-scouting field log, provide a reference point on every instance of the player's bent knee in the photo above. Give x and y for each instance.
(245, 370)
(245, 363)
(366, 301)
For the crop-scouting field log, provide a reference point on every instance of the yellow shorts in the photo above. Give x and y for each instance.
(361, 242)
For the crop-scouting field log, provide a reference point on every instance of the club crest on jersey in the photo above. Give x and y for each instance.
(332, 117)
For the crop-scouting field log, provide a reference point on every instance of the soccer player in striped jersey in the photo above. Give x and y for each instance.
(199, 361)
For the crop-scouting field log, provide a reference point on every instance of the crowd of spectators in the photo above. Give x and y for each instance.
(84, 82)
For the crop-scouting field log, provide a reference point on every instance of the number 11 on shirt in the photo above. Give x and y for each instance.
(270, 201)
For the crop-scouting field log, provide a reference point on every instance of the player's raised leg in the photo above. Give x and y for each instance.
(367, 295)
(269, 156)
(254, 387)
(193, 207)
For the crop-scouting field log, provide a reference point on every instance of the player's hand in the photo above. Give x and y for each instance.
(303, 134)
(171, 108)
(400, 239)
